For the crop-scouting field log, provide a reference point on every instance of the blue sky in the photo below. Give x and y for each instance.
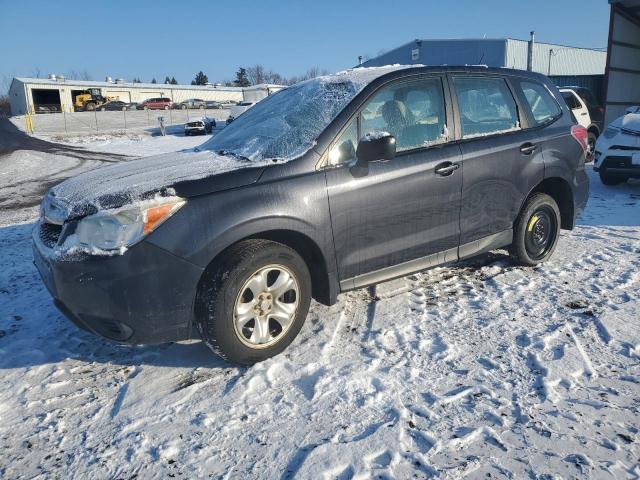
(177, 38)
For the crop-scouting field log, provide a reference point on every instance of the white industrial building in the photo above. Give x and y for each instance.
(26, 94)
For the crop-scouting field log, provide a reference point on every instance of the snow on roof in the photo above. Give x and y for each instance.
(364, 75)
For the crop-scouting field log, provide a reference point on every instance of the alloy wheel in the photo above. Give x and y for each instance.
(266, 306)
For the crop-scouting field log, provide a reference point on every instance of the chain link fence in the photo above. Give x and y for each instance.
(66, 123)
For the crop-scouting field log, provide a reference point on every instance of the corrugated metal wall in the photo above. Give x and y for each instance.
(444, 52)
(564, 60)
(623, 82)
(496, 53)
(595, 83)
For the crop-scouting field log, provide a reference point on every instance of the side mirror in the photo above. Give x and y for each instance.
(634, 109)
(376, 146)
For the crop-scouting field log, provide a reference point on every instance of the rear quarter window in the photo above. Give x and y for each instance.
(542, 106)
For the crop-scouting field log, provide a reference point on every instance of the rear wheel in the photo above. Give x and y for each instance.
(611, 178)
(254, 301)
(591, 146)
(536, 231)
(90, 107)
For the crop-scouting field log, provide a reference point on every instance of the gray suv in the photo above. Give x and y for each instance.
(330, 185)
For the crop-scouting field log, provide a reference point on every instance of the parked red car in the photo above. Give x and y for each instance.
(155, 104)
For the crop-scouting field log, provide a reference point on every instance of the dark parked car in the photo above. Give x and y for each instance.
(199, 127)
(376, 173)
(116, 105)
(155, 104)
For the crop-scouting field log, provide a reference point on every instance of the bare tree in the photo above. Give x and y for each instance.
(256, 74)
(36, 72)
(5, 83)
(79, 75)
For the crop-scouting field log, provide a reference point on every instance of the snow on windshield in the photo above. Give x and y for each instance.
(286, 124)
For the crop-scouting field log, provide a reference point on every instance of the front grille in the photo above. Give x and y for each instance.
(630, 132)
(624, 148)
(50, 234)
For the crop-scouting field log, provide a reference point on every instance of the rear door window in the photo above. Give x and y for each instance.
(485, 105)
(542, 106)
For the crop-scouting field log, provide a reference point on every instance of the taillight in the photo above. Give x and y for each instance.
(581, 135)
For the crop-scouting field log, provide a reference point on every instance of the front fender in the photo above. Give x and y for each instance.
(208, 224)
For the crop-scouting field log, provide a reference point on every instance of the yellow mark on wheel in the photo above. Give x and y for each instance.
(532, 222)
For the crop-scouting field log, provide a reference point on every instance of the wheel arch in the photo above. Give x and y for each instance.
(323, 289)
(560, 190)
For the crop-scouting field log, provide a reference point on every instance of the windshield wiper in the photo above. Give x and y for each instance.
(233, 154)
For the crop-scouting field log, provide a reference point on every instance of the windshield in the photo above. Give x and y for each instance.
(286, 124)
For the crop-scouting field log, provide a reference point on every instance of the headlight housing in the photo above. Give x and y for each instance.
(610, 132)
(120, 228)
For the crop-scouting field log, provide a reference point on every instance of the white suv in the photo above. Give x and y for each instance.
(587, 111)
(617, 153)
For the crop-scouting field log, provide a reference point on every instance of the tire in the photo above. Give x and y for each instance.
(90, 107)
(183, 107)
(226, 286)
(536, 231)
(611, 178)
(591, 142)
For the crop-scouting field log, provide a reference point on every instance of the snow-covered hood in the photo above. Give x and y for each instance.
(124, 183)
(630, 121)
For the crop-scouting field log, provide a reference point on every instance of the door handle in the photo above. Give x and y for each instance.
(446, 169)
(528, 148)
(583, 113)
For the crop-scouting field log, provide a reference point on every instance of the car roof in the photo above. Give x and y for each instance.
(365, 75)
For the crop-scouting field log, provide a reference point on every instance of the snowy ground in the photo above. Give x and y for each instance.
(133, 144)
(478, 370)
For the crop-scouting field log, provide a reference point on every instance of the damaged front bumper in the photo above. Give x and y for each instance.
(145, 295)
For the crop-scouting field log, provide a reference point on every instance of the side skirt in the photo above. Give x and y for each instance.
(482, 245)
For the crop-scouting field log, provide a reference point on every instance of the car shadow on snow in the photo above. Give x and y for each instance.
(33, 332)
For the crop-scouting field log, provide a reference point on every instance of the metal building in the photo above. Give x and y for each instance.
(548, 58)
(26, 95)
(622, 79)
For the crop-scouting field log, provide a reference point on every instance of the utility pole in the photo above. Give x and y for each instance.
(530, 51)
(550, 55)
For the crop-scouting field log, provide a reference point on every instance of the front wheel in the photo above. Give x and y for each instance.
(254, 301)
(536, 231)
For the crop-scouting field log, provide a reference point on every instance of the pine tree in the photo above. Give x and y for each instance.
(153, 80)
(136, 80)
(241, 78)
(166, 80)
(173, 81)
(201, 79)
